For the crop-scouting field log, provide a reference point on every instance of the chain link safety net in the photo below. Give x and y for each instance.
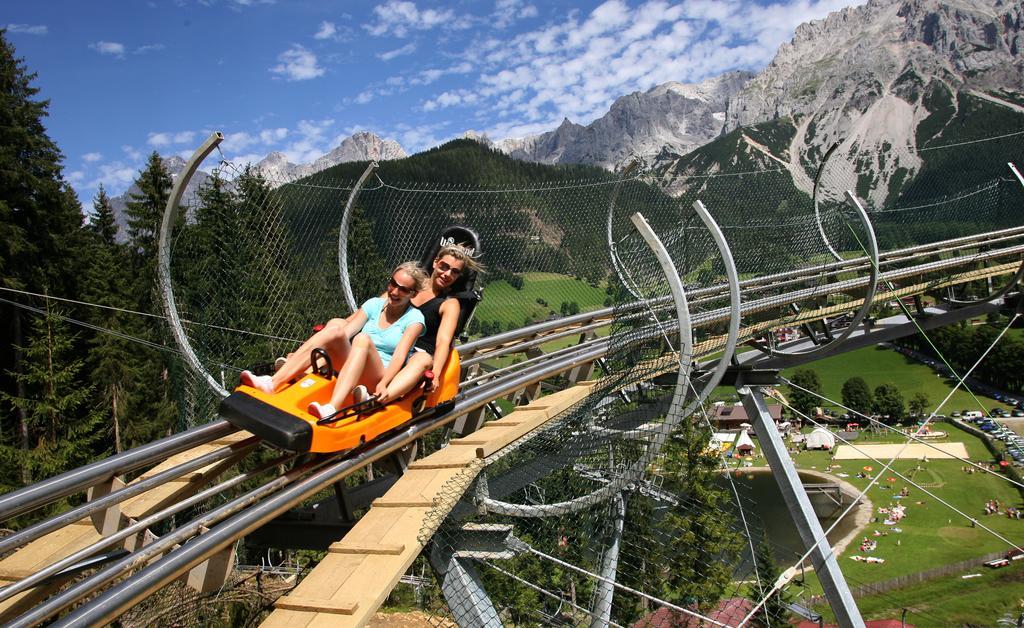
(616, 507)
(935, 201)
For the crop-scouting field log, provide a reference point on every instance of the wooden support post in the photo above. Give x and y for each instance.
(106, 521)
(211, 574)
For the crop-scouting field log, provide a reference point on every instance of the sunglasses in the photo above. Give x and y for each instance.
(445, 267)
(394, 285)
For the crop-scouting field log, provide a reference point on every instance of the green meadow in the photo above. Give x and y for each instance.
(506, 305)
(878, 365)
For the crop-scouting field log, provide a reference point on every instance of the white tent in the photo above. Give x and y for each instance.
(743, 443)
(820, 438)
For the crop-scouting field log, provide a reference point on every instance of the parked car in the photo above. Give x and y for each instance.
(955, 414)
(1017, 413)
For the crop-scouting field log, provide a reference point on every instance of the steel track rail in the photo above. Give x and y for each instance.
(70, 482)
(42, 528)
(773, 281)
(248, 513)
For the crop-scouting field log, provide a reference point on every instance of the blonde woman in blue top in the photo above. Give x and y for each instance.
(388, 328)
(392, 307)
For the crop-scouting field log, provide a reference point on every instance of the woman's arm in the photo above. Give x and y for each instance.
(450, 310)
(409, 336)
(354, 323)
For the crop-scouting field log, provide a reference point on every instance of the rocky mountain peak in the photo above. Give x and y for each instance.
(864, 77)
(677, 115)
(361, 146)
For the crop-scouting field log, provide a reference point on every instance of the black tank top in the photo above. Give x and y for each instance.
(431, 311)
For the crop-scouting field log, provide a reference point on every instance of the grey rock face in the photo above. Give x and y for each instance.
(674, 115)
(967, 44)
(861, 78)
(362, 146)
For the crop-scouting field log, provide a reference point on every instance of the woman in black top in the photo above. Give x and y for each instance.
(441, 316)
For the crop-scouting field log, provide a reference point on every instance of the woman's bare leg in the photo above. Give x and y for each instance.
(331, 337)
(363, 363)
(410, 375)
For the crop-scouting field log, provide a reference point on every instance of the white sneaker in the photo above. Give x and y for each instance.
(264, 383)
(360, 394)
(278, 363)
(321, 410)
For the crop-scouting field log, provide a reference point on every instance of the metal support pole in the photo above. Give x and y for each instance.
(463, 589)
(605, 592)
(811, 533)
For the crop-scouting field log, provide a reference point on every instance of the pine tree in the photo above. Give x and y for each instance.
(107, 284)
(773, 611)
(64, 429)
(150, 408)
(103, 225)
(144, 212)
(40, 221)
(702, 543)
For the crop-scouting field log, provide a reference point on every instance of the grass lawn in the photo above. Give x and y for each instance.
(933, 534)
(951, 600)
(878, 366)
(505, 304)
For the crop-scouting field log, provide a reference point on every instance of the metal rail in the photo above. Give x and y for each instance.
(70, 482)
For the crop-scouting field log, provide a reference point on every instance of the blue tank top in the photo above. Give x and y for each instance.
(386, 340)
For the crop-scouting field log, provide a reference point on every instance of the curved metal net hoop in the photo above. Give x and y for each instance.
(254, 265)
(937, 198)
(785, 251)
(543, 246)
(613, 512)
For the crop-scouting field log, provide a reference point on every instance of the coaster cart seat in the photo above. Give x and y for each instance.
(281, 419)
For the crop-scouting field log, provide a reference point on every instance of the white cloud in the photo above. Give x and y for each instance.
(451, 99)
(327, 31)
(297, 64)
(398, 52)
(508, 12)
(158, 140)
(270, 136)
(114, 176)
(240, 140)
(399, 17)
(108, 48)
(426, 77)
(311, 141)
(578, 66)
(148, 48)
(133, 153)
(91, 157)
(415, 138)
(28, 29)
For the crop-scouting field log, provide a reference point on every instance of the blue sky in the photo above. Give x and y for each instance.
(126, 78)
